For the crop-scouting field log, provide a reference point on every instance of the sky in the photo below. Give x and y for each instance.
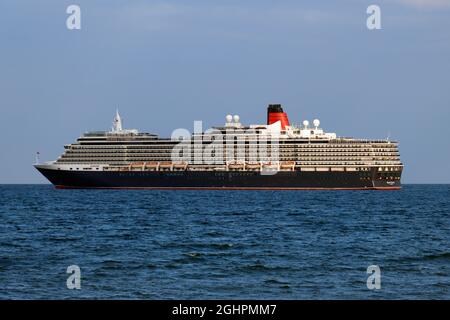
(165, 64)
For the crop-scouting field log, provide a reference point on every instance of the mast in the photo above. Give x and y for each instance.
(117, 122)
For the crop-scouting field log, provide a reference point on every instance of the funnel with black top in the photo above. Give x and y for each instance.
(275, 113)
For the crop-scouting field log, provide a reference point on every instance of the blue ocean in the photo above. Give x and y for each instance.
(224, 244)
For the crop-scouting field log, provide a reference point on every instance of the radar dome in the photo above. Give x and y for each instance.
(306, 123)
(236, 118)
(316, 123)
(229, 118)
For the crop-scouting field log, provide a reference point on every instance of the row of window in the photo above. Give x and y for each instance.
(280, 145)
(247, 151)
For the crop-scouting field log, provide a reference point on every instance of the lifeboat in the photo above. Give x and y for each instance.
(180, 166)
(151, 166)
(137, 166)
(165, 166)
(270, 166)
(236, 166)
(287, 166)
(253, 166)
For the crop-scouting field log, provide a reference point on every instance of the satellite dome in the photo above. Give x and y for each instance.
(316, 123)
(236, 118)
(306, 123)
(229, 118)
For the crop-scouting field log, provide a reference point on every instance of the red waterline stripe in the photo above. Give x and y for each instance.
(223, 188)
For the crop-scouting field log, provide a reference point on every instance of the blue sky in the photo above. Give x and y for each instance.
(168, 63)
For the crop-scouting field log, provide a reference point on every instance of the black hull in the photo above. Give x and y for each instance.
(283, 180)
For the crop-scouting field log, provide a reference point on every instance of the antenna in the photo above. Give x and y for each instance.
(306, 124)
(316, 123)
(37, 157)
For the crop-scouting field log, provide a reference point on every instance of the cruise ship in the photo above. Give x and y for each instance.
(276, 155)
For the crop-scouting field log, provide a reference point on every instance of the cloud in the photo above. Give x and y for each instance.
(427, 3)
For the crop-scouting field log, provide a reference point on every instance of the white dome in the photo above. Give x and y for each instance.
(316, 122)
(229, 118)
(236, 118)
(306, 123)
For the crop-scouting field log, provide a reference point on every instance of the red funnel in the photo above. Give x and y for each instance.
(275, 113)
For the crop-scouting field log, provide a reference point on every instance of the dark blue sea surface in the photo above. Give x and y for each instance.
(224, 244)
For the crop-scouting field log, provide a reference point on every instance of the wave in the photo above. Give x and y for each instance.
(445, 256)
(438, 256)
(263, 267)
(214, 245)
